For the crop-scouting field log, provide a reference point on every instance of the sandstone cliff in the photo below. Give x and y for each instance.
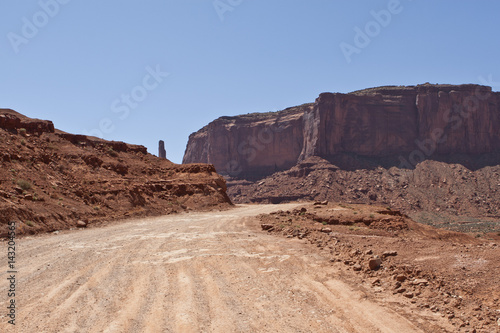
(258, 143)
(384, 126)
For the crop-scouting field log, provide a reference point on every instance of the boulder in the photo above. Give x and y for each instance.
(400, 277)
(81, 224)
(389, 254)
(374, 263)
(408, 294)
(422, 282)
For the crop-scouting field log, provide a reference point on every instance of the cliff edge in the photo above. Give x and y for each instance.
(385, 126)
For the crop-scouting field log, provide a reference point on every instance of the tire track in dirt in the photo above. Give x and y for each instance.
(218, 307)
(185, 306)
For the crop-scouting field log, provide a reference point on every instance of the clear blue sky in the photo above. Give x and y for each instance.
(83, 57)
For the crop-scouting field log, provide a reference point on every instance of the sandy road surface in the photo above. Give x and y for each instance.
(196, 272)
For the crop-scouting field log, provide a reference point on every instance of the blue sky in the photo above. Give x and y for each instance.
(141, 71)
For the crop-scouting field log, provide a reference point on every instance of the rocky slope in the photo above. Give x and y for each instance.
(51, 180)
(385, 126)
(450, 274)
(436, 193)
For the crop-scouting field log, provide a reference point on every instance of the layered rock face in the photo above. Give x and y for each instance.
(410, 123)
(11, 120)
(253, 144)
(385, 126)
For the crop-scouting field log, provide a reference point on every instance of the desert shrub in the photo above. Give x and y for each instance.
(24, 184)
(112, 152)
(22, 131)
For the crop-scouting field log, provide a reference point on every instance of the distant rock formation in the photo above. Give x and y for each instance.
(162, 153)
(257, 143)
(385, 126)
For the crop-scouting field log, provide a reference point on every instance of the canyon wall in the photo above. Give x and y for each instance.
(384, 126)
(252, 144)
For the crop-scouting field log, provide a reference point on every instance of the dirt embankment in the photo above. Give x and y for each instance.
(449, 274)
(51, 180)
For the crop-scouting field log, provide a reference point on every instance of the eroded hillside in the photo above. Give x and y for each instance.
(51, 180)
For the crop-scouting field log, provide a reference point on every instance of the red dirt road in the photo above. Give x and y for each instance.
(193, 272)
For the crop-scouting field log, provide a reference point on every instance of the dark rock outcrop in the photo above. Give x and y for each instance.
(162, 153)
(15, 122)
(385, 126)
